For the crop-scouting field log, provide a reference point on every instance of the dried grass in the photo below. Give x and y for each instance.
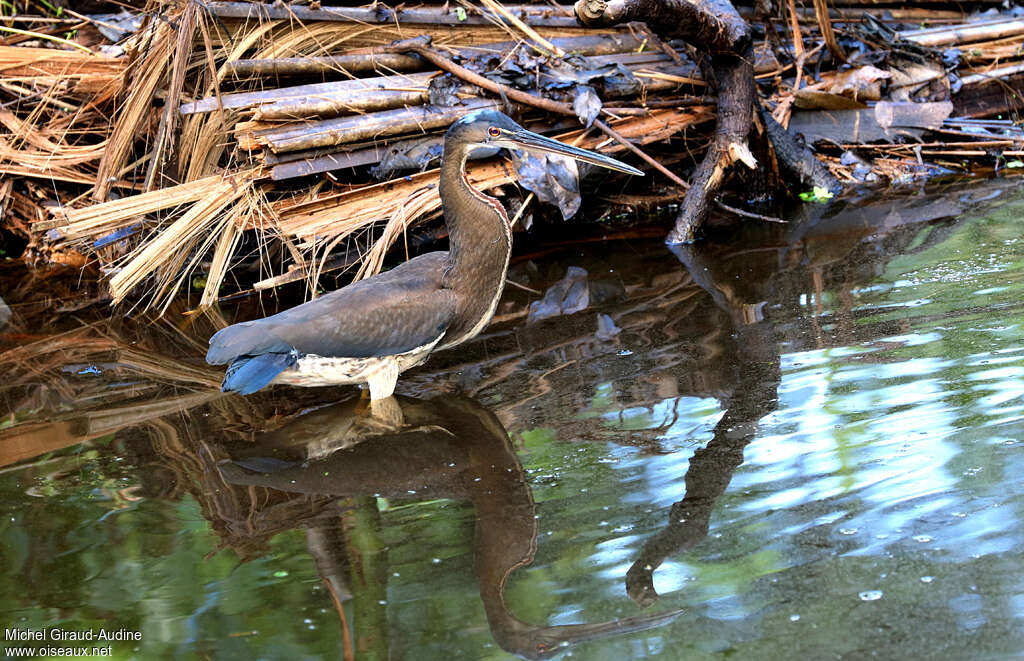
(193, 191)
(71, 72)
(191, 234)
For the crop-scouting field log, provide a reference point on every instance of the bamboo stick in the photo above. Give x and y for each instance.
(364, 127)
(992, 74)
(966, 33)
(377, 93)
(351, 64)
(856, 14)
(533, 15)
(326, 162)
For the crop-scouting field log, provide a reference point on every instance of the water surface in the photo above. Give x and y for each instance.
(802, 442)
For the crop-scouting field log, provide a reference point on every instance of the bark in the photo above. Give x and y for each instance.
(711, 24)
(715, 27)
(796, 158)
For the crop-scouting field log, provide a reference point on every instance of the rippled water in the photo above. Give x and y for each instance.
(802, 443)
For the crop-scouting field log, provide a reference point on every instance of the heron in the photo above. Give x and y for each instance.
(372, 330)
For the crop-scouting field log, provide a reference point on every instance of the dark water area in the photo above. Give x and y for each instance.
(802, 442)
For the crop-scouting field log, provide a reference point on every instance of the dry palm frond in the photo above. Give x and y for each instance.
(147, 72)
(77, 72)
(199, 225)
(230, 235)
(165, 133)
(99, 219)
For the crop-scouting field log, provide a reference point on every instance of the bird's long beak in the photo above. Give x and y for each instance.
(530, 141)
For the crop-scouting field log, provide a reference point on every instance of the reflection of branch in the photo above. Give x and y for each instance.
(32, 439)
(707, 478)
(711, 468)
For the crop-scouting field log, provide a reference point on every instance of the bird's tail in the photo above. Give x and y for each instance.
(248, 374)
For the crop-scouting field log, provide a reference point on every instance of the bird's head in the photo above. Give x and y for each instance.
(492, 130)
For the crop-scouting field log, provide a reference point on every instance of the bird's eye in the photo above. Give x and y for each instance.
(494, 131)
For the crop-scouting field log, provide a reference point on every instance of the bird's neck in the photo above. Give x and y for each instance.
(480, 244)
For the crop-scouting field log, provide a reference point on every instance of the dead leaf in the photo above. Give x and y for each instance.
(811, 99)
(860, 84)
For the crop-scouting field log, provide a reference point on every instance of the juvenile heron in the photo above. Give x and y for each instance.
(374, 329)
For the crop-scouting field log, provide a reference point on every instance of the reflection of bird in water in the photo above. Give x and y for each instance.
(453, 449)
(374, 329)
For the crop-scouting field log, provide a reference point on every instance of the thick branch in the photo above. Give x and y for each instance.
(712, 24)
(735, 76)
(716, 27)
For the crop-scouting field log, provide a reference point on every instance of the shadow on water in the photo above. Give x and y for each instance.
(633, 324)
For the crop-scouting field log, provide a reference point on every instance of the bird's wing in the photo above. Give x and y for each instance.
(387, 314)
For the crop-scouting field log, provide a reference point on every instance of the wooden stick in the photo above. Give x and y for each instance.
(535, 15)
(636, 150)
(332, 63)
(966, 33)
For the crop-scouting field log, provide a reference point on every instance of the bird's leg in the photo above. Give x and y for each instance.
(384, 408)
(382, 382)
